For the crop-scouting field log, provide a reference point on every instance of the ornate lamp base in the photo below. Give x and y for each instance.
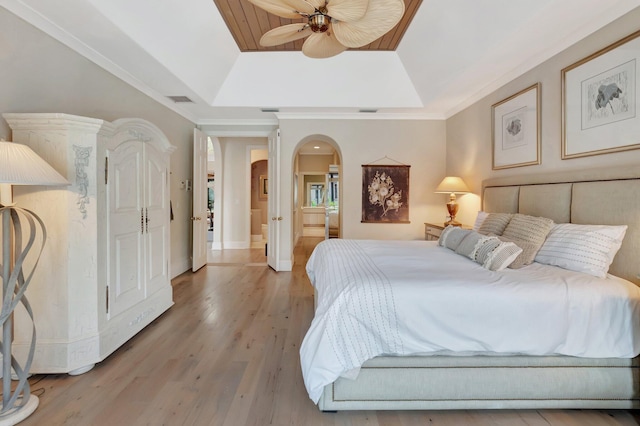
(452, 208)
(17, 401)
(16, 415)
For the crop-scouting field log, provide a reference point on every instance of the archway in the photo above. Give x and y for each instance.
(317, 163)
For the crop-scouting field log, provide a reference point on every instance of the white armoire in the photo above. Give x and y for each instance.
(104, 272)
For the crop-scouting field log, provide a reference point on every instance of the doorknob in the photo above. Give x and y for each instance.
(279, 217)
(274, 218)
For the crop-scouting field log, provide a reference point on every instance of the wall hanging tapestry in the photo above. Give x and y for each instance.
(385, 193)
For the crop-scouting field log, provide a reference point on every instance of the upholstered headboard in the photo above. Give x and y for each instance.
(596, 197)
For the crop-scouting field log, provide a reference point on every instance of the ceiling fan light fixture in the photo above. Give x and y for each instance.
(332, 26)
(319, 22)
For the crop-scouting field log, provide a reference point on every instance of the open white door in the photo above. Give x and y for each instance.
(199, 209)
(273, 202)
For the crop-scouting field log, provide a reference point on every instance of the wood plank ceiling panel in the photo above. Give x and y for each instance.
(247, 23)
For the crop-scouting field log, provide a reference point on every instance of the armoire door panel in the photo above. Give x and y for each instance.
(156, 226)
(126, 226)
(155, 180)
(157, 268)
(127, 286)
(126, 177)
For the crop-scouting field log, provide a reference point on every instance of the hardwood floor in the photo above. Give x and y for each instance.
(227, 354)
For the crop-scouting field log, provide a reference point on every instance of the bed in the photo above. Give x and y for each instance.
(536, 367)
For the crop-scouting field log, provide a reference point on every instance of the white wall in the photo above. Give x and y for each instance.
(39, 74)
(469, 132)
(418, 143)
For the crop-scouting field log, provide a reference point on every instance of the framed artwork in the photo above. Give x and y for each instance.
(516, 129)
(385, 194)
(600, 99)
(263, 191)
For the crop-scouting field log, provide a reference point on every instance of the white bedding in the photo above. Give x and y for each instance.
(414, 297)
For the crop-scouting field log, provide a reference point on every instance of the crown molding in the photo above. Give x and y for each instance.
(359, 116)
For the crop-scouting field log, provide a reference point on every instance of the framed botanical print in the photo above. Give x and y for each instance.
(600, 101)
(516, 129)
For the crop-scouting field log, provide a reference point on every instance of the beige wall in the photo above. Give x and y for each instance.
(418, 143)
(315, 163)
(469, 132)
(39, 74)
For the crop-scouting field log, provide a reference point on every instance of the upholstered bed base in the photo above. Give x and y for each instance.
(598, 196)
(487, 382)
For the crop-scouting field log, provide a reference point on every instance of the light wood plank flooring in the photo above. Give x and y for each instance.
(227, 354)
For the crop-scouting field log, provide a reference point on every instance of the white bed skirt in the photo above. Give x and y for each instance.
(487, 382)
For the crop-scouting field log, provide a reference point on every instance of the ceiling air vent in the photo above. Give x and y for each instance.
(368, 110)
(180, 99)
(269, 110)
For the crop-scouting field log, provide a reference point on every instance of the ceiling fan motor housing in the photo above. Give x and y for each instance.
(319, 22)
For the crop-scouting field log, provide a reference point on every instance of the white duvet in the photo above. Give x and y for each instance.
(414, 297)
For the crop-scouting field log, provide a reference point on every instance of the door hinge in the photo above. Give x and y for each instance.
(107, 302)
(106, 170)
(142, 220)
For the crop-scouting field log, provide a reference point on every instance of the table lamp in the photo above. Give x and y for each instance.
(452, 185)
(19, 165)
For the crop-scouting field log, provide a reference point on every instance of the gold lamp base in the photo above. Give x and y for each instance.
(452, 208)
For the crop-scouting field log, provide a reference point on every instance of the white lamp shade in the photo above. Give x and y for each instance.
(452, 185)
(19, 165)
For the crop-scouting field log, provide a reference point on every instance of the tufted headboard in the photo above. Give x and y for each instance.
(608, 196)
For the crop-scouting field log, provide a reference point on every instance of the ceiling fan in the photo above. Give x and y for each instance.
(332, 26)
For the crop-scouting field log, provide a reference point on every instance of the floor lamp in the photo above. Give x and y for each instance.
(19, 165)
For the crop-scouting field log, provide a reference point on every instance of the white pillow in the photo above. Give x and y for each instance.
(582, 248)
(479, 219)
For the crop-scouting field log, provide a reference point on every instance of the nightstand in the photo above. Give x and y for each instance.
(432, 231)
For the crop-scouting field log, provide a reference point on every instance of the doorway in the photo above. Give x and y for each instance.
(259, 199)
(317, 182)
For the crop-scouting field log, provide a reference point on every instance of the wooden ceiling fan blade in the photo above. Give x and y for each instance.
(285, 34)
(322, 45)
(317, 4)
(347, 10)
(285, 8)
(381, 16)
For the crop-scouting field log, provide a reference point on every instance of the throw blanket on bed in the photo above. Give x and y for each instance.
(414, 297)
